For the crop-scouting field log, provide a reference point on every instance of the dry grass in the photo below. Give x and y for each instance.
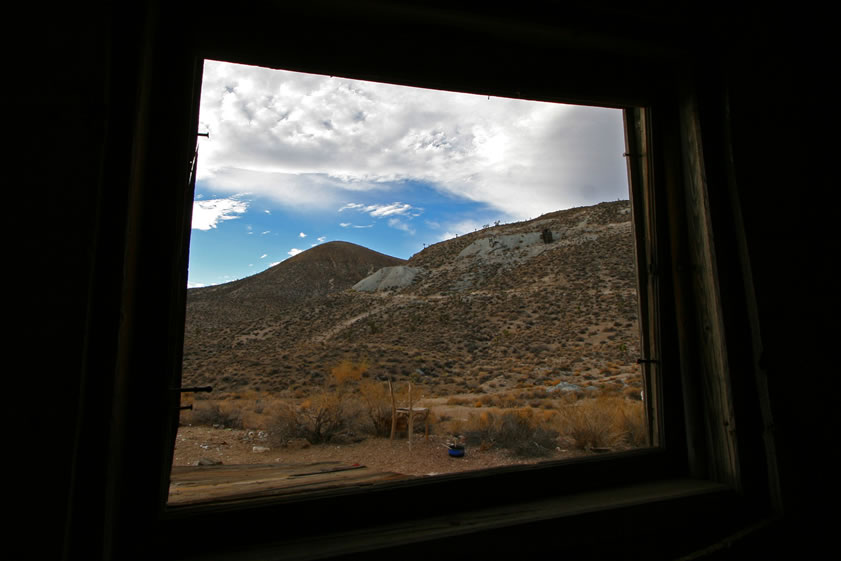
(247, 409)
(526, 423)
(522, 432)
(217, 413)
(603, 422)
(377, 404)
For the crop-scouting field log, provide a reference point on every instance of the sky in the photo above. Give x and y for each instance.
(294, 160)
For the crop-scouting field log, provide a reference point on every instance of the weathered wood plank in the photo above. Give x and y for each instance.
(191, 485)
(703, 276)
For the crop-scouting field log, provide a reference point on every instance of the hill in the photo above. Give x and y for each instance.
(545, 301)
(324, 269)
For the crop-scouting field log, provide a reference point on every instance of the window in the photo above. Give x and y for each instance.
(514, 324)
(485, 58)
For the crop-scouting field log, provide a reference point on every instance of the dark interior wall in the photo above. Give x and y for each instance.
(56, 99)
(71, 107)
(74, 110)
(780, 128)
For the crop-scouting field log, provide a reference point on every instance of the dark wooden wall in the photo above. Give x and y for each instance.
(74, 95)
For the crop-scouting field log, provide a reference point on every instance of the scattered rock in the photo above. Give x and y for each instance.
(388, 278)
(563, 387)
(208, 462)
(260, 449)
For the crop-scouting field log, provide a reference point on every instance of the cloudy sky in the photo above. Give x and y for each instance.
(294, 160)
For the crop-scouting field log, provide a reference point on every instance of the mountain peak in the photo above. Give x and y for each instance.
(321, 270)
(342, 252)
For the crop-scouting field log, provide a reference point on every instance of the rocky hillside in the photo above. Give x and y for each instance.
(550, 300)
(313, 274)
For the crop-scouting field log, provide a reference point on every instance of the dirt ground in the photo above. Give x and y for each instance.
(422, 457)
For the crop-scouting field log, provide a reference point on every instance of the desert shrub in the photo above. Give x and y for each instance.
(377, 405)
(285, 425)
(589, 424)
(324, 417)
(520, 431)
(330, 414)
(348, 371)
(633, 423)
(605, 421)
(211, 412)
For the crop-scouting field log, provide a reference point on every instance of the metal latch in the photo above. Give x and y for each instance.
(206, 389)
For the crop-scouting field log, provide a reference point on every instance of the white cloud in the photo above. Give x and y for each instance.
(321, 239)
(311, 141)
(294, 251)
(400, 225)
(264, 256)
(302, 235)
(460, 228)
(393, 210)
(208, 213)
(380, 210)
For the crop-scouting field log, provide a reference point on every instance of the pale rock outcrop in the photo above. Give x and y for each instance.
(388, 278)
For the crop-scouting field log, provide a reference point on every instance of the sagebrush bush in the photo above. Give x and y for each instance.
(212, 412)
(348, 371)
(377, 403)
(324, 417)
(633, 423)
(331, 414)
(603, 422)
(519, 431)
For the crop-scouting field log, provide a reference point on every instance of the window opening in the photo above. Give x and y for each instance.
(390, 282)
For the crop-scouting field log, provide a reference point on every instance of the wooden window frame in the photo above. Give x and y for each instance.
(692, 471)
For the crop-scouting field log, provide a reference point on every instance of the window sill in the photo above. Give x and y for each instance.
(671, 516)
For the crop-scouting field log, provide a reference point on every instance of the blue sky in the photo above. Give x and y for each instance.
(294, 160)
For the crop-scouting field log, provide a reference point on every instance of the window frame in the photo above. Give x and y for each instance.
(153, 304)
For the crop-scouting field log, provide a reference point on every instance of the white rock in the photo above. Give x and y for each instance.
(387, 278)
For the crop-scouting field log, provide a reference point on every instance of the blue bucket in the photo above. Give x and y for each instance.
(456, 450)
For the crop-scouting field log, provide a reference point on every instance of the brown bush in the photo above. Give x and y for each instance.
(633, 423)
(212, 412)
(348, 371)
(520, 431)
(318, 419)
(603, 422)
(376, 401)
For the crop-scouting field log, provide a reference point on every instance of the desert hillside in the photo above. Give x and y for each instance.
(550, 302)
